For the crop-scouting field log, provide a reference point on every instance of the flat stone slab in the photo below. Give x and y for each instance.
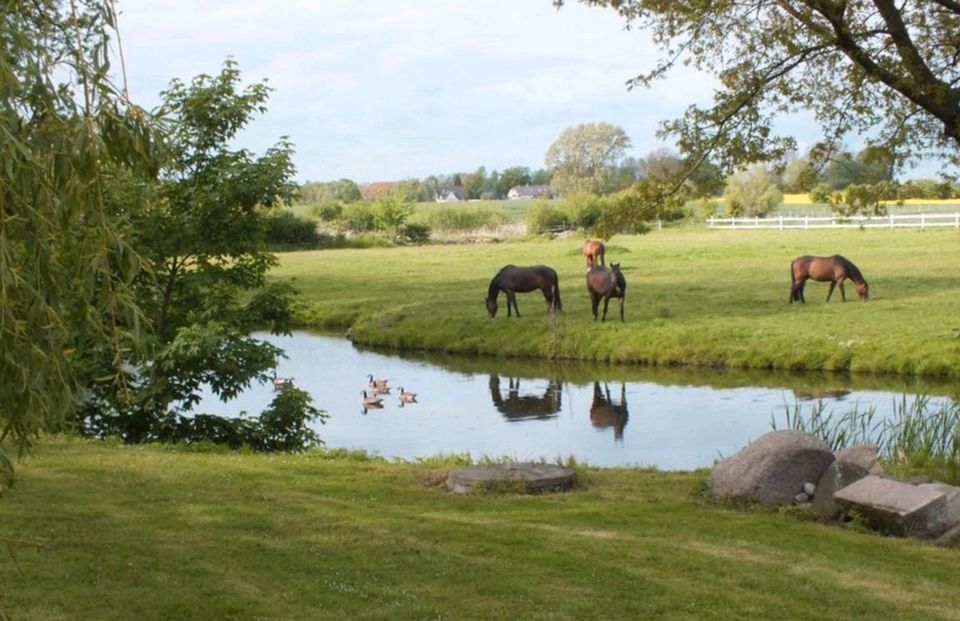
(535, 477)
(896, 507)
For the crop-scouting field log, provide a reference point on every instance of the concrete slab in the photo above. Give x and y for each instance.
(534, 477)
(896, 507)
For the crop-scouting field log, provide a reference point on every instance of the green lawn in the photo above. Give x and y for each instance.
(146, 533)
(694, 296)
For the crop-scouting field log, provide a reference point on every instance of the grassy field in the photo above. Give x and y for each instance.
(694, 296)
(145, 533)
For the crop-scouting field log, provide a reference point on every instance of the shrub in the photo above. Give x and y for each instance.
(752, 192)
(453, 218)
(542, 218)
(357, 217)
(820, 193)
(582, 210)
(415, 232)
(287, 229)
(328, 212)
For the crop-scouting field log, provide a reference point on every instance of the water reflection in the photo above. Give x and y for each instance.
(605, 412)
(531, 409)
(519, 407)
(816, 395)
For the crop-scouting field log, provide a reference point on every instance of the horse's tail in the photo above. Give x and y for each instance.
(556, 295)
(603, 251)
(793, 282)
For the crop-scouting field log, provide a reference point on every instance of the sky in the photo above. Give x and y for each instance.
(381, 91)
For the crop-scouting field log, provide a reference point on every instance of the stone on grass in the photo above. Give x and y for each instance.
(897, 508)
(772, 469)
(529, 477)
(823, 505)
(856, 462)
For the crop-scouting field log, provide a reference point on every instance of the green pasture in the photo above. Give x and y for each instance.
(694, 297)
(150, 533)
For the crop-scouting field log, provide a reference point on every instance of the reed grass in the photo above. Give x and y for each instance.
(921, 435)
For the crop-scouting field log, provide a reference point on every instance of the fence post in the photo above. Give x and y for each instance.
(891, 221)
(659, 224)
(781, 222)
(806, 222)
(922, 220)
(956, 220)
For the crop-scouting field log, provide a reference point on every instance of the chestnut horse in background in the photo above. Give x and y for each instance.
(593, 250)
(606, 284)
(835, 269)
(511, 279)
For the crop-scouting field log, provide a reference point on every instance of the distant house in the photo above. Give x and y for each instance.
(371, 191)
(529, 191)
(452, 194)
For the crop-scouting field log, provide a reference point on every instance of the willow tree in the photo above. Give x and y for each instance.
(887, 70)
(66, 270)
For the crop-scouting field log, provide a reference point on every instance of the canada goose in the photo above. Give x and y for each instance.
(407, 397)
(371, 401)
(377, 384)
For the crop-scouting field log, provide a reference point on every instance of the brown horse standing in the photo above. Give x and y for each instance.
(511, 279)
(835, 269)
(593, 250)
(606, 284)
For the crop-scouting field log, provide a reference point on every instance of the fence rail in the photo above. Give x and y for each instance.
(905, 221)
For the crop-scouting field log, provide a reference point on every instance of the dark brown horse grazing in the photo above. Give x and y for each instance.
(511, 279)
(593, 250)
(606, 284)
(835, 269)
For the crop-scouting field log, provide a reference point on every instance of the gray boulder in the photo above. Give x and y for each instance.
(856, 462)
(853, 463)
(772, 469)
(823, 504)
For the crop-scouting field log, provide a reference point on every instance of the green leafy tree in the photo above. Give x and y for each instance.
(585, 158)
(883, 67)
(800, 175)
(752, 192)
(390, 212)
(512, 177)
(66, 266)
(202, 233)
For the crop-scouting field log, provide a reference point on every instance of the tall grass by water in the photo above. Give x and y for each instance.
(921, 435)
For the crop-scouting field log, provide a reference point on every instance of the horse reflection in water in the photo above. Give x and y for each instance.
(517, 407)
(817, 395)
(605, 413)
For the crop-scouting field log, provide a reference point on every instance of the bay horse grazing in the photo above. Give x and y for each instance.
(606, 284)
(512, 279)
(835, 269)
(593, 250)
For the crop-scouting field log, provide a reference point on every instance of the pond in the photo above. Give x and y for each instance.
(604, 415)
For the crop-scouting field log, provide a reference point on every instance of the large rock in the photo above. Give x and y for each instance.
(856, 462)
(526, 476)
(772, 469)
(823, 504)
(898, 508)
(853, 463)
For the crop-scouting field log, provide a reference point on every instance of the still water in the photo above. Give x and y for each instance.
(604, 415)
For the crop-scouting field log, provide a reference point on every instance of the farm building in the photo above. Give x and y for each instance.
(529, 191)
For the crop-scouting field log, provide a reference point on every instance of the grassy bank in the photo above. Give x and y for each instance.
(136, 532)
(694, 296)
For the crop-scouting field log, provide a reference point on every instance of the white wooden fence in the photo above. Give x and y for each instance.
(910, 221)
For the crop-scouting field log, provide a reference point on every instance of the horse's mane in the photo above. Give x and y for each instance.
(852, 269)
(494, 287)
